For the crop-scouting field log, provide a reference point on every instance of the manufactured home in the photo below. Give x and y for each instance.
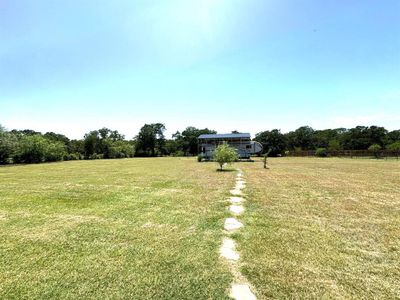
(240, 141)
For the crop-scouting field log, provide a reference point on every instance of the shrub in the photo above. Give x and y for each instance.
(224, 154)
(395, 147)
(55, 151)
(179, 153)
(72, 156)
(199, 158)
(376, 149)
(321, 152)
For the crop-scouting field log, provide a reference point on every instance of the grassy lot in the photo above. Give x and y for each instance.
(152, 228)
(134, 228)
(322, 228)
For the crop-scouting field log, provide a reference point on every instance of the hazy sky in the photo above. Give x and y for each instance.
(250, 65)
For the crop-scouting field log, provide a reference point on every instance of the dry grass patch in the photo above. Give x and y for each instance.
(322, 228)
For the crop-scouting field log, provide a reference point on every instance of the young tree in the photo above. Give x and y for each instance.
(225, 154)
(265, 160)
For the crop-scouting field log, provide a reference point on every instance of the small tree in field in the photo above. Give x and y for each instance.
(266, 158)
(224, 154)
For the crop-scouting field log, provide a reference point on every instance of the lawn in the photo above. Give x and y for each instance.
(322, 228)
(133, 228)
(152, 228)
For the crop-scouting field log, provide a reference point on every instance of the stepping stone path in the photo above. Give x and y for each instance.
(231, 224)
(242, 292)
(240, 289)
(236, 209)
(228, 250)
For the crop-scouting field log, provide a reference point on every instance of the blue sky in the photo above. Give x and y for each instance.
(247, 65)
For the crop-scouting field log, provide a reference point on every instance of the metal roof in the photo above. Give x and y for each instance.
(226, 136)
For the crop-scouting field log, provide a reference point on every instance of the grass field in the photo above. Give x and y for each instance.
(323, 228)
(135, 229)
(152, 228)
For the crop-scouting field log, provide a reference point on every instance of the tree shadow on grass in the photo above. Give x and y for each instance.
(226, 170)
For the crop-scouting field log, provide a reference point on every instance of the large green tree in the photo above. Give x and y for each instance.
(151, 140)
(273, 141)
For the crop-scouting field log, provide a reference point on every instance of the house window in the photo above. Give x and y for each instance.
(248, 146)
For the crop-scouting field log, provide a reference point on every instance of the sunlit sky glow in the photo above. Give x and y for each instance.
(247, 65)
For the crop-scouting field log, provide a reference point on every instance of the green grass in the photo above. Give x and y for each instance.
(322, 228)
(134, 228)
(152, 228)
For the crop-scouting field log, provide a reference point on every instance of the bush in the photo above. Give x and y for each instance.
(376, 149)
(72, 156)
(224, 154)
(179, 153)
(395, 147)
(55, 151)
(96, 156)
(199, 158)
(321, 152)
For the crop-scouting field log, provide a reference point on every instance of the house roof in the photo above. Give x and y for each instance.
(226, 136)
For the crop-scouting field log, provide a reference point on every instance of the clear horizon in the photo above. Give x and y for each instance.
(226, 65)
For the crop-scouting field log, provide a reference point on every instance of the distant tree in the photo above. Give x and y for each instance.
(37, 149)
(106, 143)
(56, 137)
(334, 145)
(376, 149)
(273, 141)
(302, 137)
(235, 132)
(377, 135)
(25, 132)
(322, 138)
(150, 140)
(91, 143)
(171, 147)
(8, 146)
(224, 154)
(187, 140)
(393, 136)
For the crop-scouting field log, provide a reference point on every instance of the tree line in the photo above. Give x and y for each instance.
(329, 140)
(28, 146)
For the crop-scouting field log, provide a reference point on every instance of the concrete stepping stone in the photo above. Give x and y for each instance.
(232, 224)
(227, 250)
(239, 186)
(242, 292)
(236, 192)
(236, 199)
(236, 209)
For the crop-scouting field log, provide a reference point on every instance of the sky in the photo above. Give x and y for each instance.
(247, 65)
